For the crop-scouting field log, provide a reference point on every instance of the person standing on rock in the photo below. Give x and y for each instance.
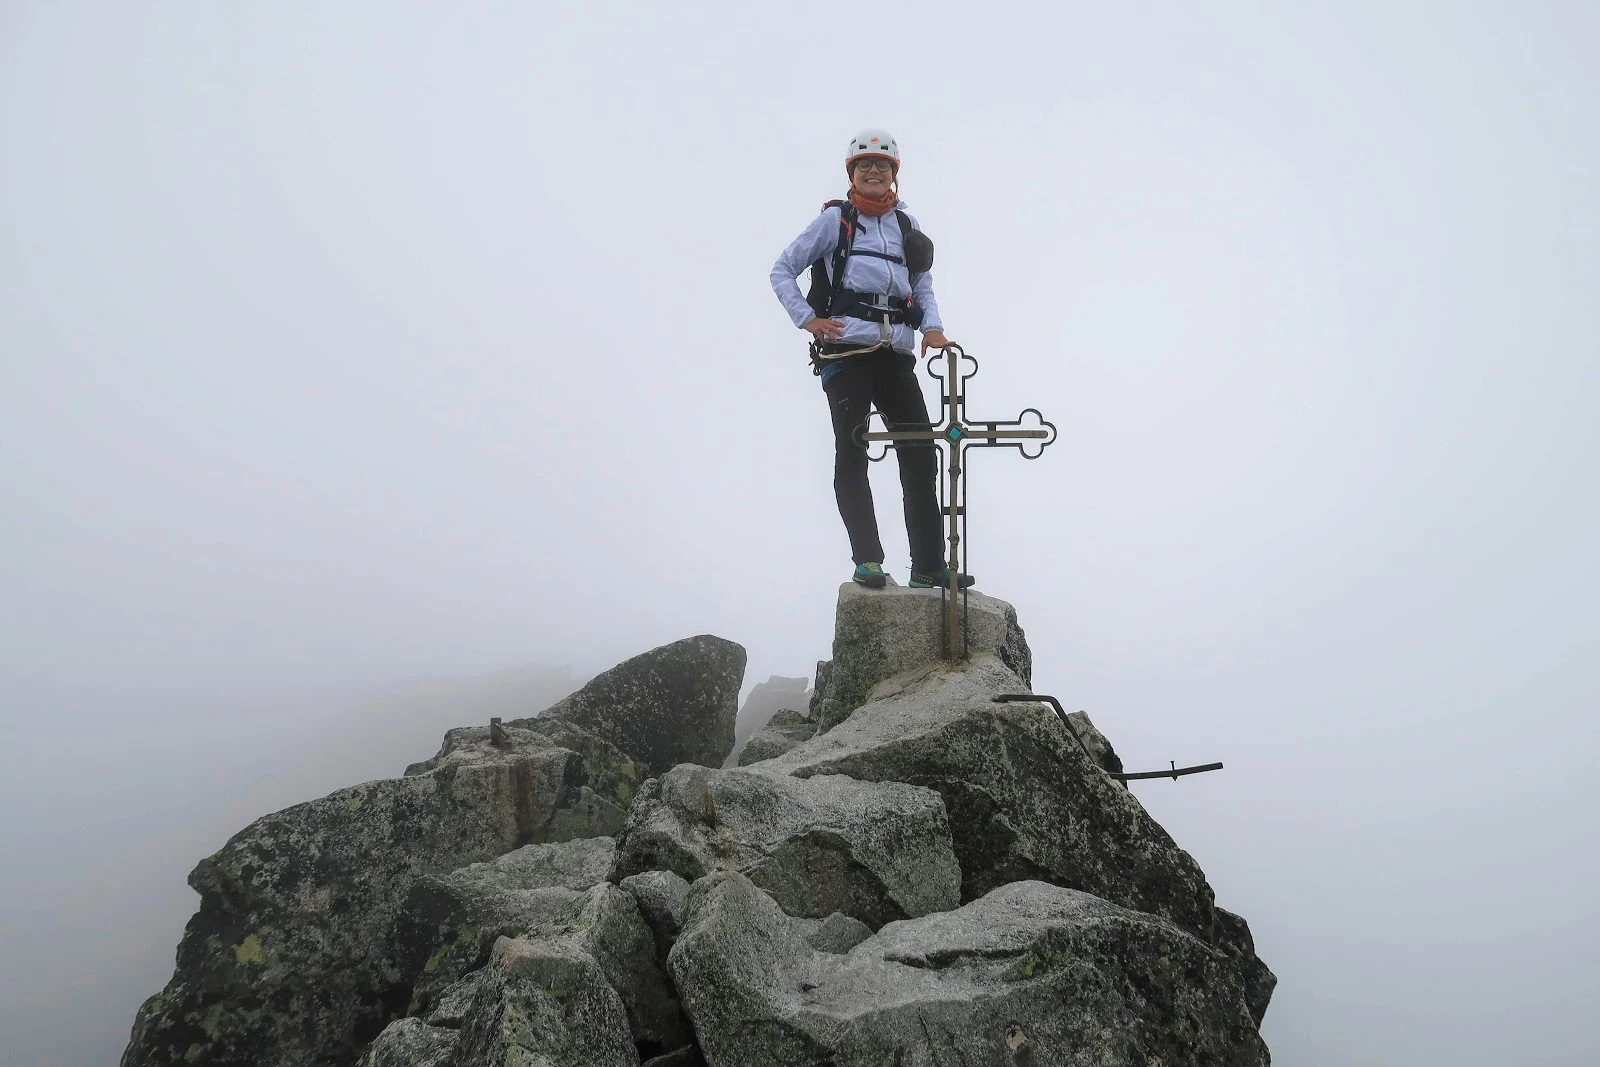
(871, 289)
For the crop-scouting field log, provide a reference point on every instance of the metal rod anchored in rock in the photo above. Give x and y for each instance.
(1175, 772)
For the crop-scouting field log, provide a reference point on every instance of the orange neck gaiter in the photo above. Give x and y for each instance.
(874, 208)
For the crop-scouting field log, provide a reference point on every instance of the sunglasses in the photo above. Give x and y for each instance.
(875, 164)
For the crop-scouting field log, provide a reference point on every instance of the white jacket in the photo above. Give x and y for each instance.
(867, 274)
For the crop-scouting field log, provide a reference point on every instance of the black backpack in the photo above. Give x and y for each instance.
(824, 293)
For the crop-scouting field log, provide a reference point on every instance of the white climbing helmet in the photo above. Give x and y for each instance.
(872, 143)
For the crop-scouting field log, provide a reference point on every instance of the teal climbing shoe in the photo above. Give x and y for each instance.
(933, 581)
(870, 575)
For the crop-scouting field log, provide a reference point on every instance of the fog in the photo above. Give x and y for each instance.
(367, 366)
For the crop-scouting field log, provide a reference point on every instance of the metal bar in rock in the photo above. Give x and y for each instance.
(1174, 773)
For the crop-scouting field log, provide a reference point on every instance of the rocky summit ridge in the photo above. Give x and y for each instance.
(906, 873)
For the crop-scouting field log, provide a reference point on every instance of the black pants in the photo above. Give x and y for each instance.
(887, 380)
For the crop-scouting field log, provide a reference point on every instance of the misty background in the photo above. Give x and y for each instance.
(365, 367)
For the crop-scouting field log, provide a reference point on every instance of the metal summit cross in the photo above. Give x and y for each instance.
(957, 432)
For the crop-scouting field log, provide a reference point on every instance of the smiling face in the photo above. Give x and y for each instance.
(872, 176)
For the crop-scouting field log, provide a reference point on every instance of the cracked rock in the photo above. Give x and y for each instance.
(877, 851)
(453, 922)
(1031, 974)
(545, 1003)
(1024, 799)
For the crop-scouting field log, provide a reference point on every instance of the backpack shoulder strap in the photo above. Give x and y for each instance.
(848, 218)
(827, 273)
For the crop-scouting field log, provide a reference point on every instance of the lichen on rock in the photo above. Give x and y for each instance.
(908, 872)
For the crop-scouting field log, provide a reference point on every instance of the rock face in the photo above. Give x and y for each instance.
(783, 731)
(293, 958)
(1099, 749)
(874, 851)
(1025, 801)
(516, 940)
(661, 896)
(1029, 974)
(548, 1003)
(537, 892)
(880, 632)
(607, 779)
(287, 960)
(766, 699)
(909, 874)
(412, 1043)
(674, 704)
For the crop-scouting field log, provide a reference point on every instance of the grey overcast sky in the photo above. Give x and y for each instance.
(354, 346)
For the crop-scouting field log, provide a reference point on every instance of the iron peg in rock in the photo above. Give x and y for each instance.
(1175, 772)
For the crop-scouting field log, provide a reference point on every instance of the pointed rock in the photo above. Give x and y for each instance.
(674, 704)
(1095, 743)
(765, 700)
(783, 731)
